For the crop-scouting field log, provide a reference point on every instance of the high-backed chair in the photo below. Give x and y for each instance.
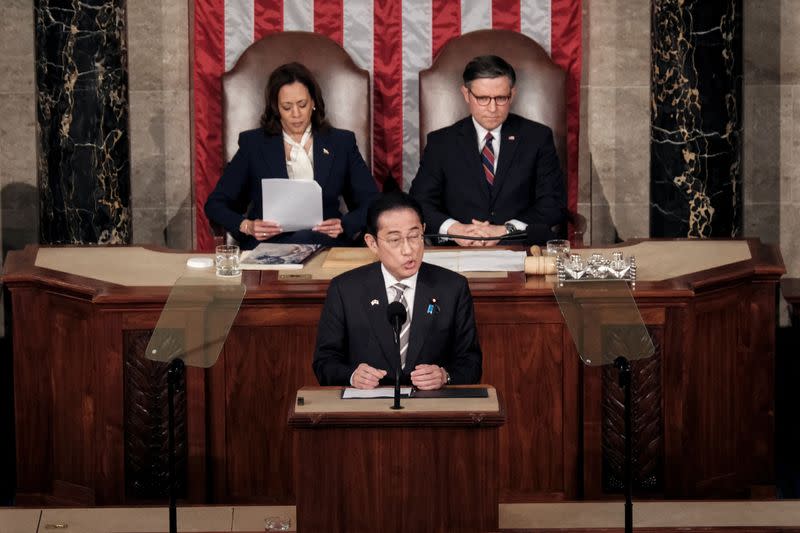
(344, 85)
(541, 86)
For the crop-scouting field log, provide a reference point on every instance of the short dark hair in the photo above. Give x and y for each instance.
(488, 67)
(284, 75)
(390, 201)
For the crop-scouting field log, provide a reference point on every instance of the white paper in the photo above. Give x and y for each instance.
(478, 260)
(380, 392)
(294, 204)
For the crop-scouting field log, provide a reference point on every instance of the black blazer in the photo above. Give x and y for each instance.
(528, 185)
(338, 168)
(354, 328)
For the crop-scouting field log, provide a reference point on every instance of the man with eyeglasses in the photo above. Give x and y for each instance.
(438, 341)
(494, 172)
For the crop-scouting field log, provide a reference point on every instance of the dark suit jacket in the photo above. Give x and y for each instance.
(338, 168)
(528, 184)
(353, 329)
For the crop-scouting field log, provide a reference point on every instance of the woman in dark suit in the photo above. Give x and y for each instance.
(295, 141)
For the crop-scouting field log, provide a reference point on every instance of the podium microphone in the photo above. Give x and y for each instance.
(396, 313)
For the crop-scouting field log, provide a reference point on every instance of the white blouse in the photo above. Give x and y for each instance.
(300, 165)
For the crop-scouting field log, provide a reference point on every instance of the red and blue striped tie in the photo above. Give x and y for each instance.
(487, 158)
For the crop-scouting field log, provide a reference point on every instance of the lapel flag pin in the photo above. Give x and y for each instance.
(374, 302)
(512, 138)
(325, 151)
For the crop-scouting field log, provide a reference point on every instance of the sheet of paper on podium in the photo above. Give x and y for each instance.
(455, 260)
(477, 260)
(379, 392)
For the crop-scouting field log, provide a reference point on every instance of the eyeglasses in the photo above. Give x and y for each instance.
(484, 100)
(413, 240)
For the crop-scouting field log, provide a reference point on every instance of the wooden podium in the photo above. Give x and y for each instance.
(87, 400)
(360, 466)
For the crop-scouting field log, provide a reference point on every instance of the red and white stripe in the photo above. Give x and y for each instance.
(393, 40)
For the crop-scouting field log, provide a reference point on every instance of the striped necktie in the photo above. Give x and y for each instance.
(400, 296)
(487, 158)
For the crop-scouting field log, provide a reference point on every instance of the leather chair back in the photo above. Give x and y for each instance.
(345, 87)
(541, 84)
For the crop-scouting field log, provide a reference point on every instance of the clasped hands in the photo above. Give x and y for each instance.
(423, 377)
(266, 229)
(477, 228)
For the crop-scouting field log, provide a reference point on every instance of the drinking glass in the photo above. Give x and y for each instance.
(558, 248)
(227, 260)
(277, 523)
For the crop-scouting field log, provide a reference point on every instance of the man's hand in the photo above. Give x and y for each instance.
(428, 377)
(331, 227)
(366, 377)
(466, 229)
(489, 230)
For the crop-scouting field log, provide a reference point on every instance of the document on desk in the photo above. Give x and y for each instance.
(477, 260)
(380, 392)
(294, 204)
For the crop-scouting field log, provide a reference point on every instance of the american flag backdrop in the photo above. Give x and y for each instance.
(393, 40)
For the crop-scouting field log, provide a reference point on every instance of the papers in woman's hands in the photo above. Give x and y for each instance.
(293, 204)
(477, 260)
(277, 256)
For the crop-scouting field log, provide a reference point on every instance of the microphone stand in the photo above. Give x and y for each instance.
(624, 367)
(396, 329)
(174, 375)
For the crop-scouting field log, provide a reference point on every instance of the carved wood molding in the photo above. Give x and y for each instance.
(146, 423)
(648, 422)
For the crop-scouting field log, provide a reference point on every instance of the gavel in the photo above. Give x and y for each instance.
(538, 265)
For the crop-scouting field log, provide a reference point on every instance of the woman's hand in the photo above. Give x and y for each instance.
(260, 229)
(331, 227)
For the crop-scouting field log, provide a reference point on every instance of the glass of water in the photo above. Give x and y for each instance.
(277, 523)
(558, 248)
(227, 260)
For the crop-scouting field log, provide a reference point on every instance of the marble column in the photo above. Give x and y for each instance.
(82, 111)
(696, 124)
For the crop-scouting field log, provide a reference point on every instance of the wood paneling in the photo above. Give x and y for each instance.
(262, 369)
(532, 382)
(33, 394)
(715, 370)
(396, 479)
(146, 424)
(647, 421)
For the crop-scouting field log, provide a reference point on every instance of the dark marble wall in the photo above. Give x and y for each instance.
(696, 124)
(82, 111)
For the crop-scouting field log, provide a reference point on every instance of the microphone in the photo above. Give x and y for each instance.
(396, 313)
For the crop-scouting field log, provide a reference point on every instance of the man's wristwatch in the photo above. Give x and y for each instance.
(447, 377)
(510, 228)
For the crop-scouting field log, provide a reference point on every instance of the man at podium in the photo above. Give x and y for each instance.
(438, 340)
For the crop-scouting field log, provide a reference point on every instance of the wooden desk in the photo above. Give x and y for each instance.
(362, 467)
(89, 410)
